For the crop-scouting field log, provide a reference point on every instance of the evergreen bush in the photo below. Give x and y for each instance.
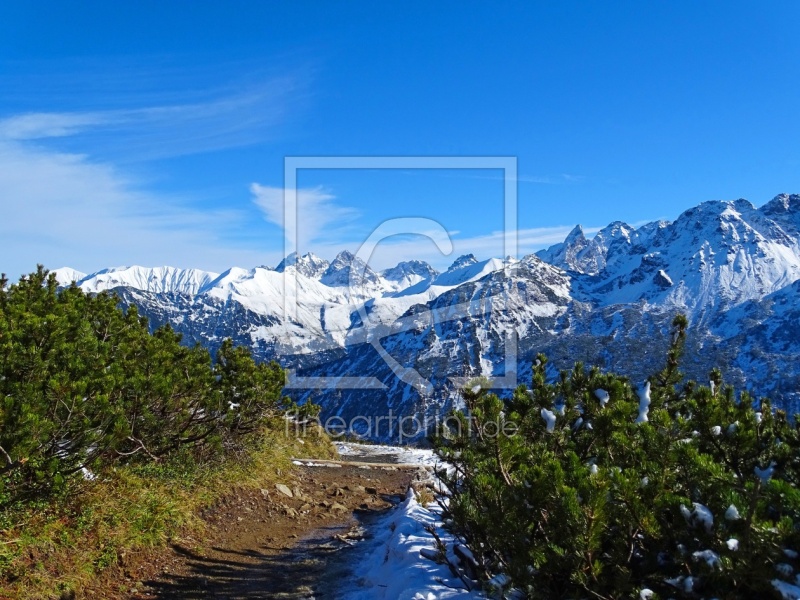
(613, 490)
(84, 385)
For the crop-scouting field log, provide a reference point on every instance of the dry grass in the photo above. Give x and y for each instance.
(425, 496)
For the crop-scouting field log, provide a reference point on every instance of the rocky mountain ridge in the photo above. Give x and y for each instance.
(731, 267)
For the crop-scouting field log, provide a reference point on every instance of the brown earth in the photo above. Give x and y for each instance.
(267, 544)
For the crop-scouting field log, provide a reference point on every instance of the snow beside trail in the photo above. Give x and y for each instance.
(392, 568)
(406, 455)
(389, 565)
(312, 463)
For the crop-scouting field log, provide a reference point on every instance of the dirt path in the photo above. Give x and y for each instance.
(267, 544)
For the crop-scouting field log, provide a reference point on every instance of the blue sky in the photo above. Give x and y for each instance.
(155, 133)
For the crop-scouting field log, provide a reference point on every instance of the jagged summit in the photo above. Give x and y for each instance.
(461, 262)
(411, 271)
(782, 203)
(784, 209)
(575, 234)
(309, 264)
(569, 253)
(346, 270)
(583, 255)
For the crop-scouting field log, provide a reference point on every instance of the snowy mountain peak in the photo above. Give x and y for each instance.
(467, 268)
(715, 255)
(784, 209)
(575, 235)
(782, 203)
(309, 264)
(66, 275)
(344, 257)
(338, 273)
(159, 280)
(575, 253)
(462, 261)
(615, 229)
(410, 270)
(717, 209)
(732, 268)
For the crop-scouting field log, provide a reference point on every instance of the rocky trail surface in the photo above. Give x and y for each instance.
(296, 540)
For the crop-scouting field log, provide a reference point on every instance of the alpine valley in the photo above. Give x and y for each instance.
(360, 342)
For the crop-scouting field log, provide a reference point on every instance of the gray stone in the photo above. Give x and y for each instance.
(284, 489)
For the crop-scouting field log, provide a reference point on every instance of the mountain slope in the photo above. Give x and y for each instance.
(607, 300)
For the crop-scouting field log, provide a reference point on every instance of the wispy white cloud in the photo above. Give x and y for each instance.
(62, 205)
(224, 120)
(64, 209)
(312, 210)
(31, 126)
(562, 178)
(69, 197)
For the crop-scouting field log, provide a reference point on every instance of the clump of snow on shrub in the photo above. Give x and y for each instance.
(732, 514)
(644, 403)
(710, 557)
(549, 419)
(701, 515)
(603, 396)
(765, 474)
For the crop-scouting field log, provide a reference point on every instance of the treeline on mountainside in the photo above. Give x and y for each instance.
(85, 386)
(668, 489)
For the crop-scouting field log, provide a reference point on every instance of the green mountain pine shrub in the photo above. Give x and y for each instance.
(610, 489)
(85, 386)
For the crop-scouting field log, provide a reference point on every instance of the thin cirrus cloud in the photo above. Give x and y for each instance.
(161, 131)
(64, 209)
(311, 212)
(32, 126)
(67, 198)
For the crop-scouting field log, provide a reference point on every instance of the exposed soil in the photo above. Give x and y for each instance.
(266, 544)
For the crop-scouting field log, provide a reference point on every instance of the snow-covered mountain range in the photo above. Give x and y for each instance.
(734, 269)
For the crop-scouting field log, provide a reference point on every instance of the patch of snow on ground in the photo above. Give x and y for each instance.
(390, 565)
(406, 455)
